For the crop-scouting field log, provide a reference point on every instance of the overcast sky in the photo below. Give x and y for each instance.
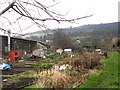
(104, 11)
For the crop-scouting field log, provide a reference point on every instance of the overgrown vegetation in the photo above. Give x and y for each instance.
(75, 73)
(84, 69)
(107, 77)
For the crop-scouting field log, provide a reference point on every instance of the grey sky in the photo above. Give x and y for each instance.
(104, 11)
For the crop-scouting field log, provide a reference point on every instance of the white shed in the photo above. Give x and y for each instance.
(68, 51)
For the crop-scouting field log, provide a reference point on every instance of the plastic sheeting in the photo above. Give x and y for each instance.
(4, 66)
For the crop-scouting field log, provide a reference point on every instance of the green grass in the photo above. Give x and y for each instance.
(107, 77)
(55, 58)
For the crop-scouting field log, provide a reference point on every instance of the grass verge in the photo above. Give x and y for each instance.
(108, 76)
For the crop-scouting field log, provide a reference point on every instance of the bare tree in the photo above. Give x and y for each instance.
(61, 40)
(32, 10)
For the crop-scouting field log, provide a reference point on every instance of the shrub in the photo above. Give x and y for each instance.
(86, 60)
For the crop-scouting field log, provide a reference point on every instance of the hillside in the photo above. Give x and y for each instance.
(92, 34)
(89, 27)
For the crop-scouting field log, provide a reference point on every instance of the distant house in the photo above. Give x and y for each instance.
(16, 44)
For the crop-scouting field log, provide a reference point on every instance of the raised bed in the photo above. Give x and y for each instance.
(22, 83)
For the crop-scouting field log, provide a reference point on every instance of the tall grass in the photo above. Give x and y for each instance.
(108, 77)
